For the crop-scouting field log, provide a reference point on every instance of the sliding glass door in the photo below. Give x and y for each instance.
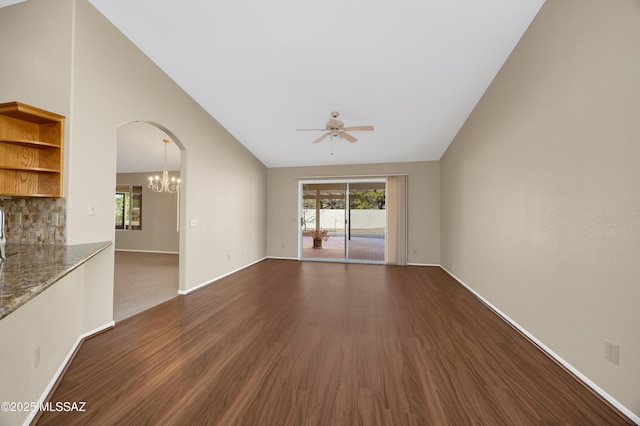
(366, 220)
(343, 221)
(323, 221)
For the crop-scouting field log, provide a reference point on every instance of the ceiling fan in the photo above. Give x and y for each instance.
(336, 129)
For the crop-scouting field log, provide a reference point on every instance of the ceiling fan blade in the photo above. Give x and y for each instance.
(322, 137)
(348, 137)
(348, 129)
(302, 130)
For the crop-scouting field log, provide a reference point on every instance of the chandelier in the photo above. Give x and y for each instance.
(164, 183)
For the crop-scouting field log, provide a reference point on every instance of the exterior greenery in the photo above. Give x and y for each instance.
(360, 200)
(128, 208)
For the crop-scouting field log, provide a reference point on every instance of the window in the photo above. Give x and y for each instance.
(128, 207)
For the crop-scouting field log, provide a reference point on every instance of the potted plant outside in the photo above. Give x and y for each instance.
(318, 236)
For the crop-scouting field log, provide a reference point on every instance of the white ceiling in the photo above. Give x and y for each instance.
(414, 69)
(5, 3)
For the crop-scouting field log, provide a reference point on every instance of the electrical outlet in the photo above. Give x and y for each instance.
(55, 219)
(18, 218)
(228, 257)
(193, 223)
(36, 357)
(612, 352)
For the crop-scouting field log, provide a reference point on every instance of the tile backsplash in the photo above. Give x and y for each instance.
(35, 220)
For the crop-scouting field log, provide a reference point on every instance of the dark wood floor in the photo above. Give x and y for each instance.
(296, 343)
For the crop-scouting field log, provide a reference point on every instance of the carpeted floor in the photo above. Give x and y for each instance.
(143, 280)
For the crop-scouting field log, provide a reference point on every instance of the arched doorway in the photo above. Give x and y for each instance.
(147, 223)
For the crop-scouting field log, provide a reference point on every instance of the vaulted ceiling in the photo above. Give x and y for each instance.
(414, 69)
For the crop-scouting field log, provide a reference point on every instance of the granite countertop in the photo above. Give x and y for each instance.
(30, 269)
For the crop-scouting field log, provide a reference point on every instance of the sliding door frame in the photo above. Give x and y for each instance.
(347, 224)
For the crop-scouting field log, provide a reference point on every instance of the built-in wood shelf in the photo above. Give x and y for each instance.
(32, 144)
(29, 169)
(31, 151)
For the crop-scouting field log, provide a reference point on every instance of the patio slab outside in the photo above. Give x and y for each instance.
(367, 248)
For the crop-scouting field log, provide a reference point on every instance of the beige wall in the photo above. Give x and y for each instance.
(541, 189)
(424, 205)
(159, 218)
(35, 41)
(223, 184)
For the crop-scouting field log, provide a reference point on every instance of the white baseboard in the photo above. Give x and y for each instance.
(296, 258)
(192, 289)
(61, 368)
(330, 260)
(551, 353)
(148, 251)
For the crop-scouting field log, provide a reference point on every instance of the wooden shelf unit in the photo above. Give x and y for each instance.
(31, 151)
